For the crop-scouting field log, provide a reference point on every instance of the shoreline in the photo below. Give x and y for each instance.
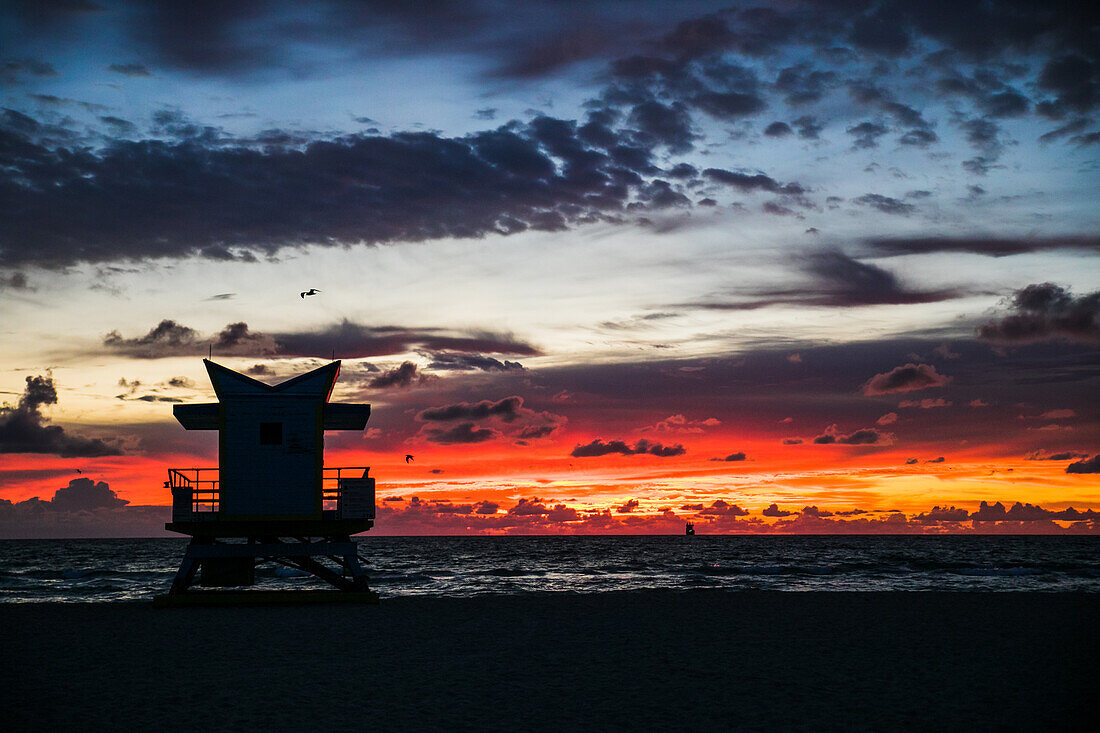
(699, 659)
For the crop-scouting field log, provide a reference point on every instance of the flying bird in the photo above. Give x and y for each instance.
(408, 458)
(79, 471)
(311, 291)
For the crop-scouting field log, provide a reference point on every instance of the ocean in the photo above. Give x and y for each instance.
(106, 571)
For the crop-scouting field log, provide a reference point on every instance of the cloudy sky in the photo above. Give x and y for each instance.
(601, 267)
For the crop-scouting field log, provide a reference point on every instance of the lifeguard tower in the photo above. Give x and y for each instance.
(271, 498)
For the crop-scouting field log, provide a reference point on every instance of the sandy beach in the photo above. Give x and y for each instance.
(613, 661)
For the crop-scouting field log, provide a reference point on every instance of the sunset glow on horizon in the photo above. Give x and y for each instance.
(791, 269)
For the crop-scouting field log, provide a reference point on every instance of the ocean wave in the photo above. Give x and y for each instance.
(998, 572)
(715, 569)
(511, 572)
(461, 566)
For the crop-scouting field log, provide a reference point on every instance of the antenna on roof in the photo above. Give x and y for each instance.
(210, 350)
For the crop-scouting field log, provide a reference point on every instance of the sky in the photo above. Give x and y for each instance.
(794, 267)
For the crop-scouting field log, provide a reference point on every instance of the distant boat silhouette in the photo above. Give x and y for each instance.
(690, 529)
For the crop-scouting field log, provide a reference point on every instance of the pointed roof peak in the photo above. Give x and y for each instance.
(317, 383)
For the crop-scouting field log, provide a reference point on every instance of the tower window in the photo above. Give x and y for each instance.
(271, 433)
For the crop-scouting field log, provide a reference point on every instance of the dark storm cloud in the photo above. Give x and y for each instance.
(1044, 312)
(773, 510)
(682, 171)
(885, 204)
(979, 165)
(808, 127)
(844, 281)
(729, 105)
(802, 84)
(661, 124)
(118, 125)
(908, 378)
(1073, 81)
(839, 281)
(462, 433)
(770, 207)
(918, 138)
(203, 192)
(660, 195)
(600, 448)
(541, 38)
(777, 129)
(12, 69)
(509, 414)
(1006, 104)
(529, 507)
(400, 376)
(722, 508)
(1074, 126)
(868, 94)
(628, 507)
(538, 38)
(749, 182)
(352, 340)
(347, 339)
(24, 429)
(289, 188)
(863, 436)
(446, 507)
(209, 37)
(985, 137)
(84, 508)
(83, 494)
(866, 134)
(169, 338)
(989, 246)
(1085, 465)
(1027, 513)
(1064, 456)
(445, 361)
(942, 514)
(536, 431)
(506, 409)
(738, 456)
(236, 337)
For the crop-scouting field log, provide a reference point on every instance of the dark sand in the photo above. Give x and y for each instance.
(621, 661)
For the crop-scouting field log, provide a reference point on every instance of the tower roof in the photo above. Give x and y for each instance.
(229, 384)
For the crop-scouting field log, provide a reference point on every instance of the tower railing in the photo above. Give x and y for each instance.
(196, 493)
(346, 492)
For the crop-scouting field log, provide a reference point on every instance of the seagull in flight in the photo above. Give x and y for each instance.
(408, 458)
(311, 291)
